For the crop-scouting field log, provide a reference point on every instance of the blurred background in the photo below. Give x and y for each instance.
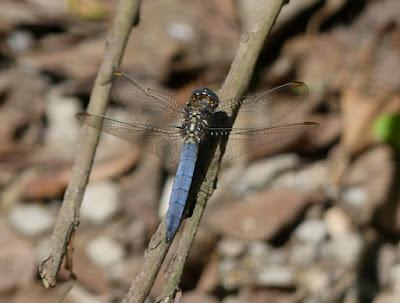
(311, 219)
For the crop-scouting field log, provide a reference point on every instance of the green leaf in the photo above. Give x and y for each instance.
(387, 129)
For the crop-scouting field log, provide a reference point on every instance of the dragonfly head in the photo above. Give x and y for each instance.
(204, 99)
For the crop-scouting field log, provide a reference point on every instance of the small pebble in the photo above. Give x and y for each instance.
(20, 41)
(261, 172)
(180, 31)
(104, 251)
(312, 231)
(337, 222)
(303, 254)
(232, 299)
(100, 202)
(315, 280)
(276, 276)
(355, 197)
(395, 278)
(229, 273)
(231, 247)
(78, 294)
(258, 249)
(62, 132)
(312, 178)
(345, 249)
(165, 195)
(31, 220)
(278, 257)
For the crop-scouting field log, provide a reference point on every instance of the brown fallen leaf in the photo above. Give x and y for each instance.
(270, 296)
(50, 185)
(329, 130)
(196, 296)
(371, 176)
(209, 277)
(17, 261)
(91, 276)
(360, 110)
(259, 217)
(37, 293)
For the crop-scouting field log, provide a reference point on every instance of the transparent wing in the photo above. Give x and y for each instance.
(243, 141)
(267, 108)
(272, 133)
(163, 141)
(146, 105)
(265, 118)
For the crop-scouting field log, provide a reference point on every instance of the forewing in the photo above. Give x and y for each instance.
(146, 105)
(163, 141)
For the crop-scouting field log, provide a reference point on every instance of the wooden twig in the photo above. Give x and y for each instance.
(68, 217)
(153, 258)
(235, 85)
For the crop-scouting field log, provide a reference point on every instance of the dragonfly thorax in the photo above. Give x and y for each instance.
(198, 112)
(195, 124)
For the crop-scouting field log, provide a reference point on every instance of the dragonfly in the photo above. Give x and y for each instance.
(159, 120)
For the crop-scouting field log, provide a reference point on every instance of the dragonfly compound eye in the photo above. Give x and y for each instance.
(212, 97)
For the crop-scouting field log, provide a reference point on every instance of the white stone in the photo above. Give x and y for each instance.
(62, 133)
(303, 254)
(229, 273)
(20, 41)
(100, 202)
(355, 197)
(165, 195)
(78, 294)
(276, 276)
(180, 31)
(315, 280)
(337, 222)
(345, 249)
(311, 178)
(277, 257)
(258, 249)
(226, 265)
(263, 171)
(395, 278)
(230, 247)
(105, 251)
(311, 231)
(31, 220)
(232, 299)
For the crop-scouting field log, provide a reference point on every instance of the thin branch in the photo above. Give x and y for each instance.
(153, 258)
(235, 85)
(68, 217)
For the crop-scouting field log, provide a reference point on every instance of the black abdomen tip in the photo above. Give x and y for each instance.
(169, 237)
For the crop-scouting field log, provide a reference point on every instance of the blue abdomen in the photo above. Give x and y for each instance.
(180, 189)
